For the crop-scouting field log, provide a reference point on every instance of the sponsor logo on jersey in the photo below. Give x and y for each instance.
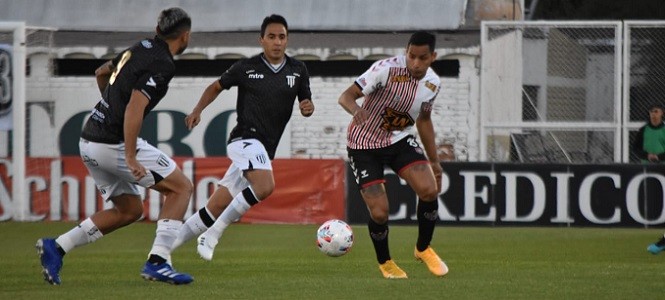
(430, 86)
(400, 78)
(151, 82)
(362, 82)
(146, 44)
(396, 120)
(255, 76)
(290, 80)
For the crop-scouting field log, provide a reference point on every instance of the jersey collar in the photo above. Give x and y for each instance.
(270, 66)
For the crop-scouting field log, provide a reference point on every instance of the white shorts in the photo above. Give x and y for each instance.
(245, 155)
(106, 164)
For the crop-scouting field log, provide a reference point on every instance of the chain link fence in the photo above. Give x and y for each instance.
(644, 79)
(551, 92)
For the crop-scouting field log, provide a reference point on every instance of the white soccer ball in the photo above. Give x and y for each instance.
(334, 238)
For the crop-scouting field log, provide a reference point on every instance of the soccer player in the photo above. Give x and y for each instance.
(268, 85)
(398, 93)
(132, 84)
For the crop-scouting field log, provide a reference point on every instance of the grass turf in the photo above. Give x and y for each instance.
(282, 262)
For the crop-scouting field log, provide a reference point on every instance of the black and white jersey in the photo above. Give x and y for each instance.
(266, 95)
(148, 67)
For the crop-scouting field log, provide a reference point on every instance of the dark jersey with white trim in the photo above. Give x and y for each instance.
(148, 67)
(266, 95)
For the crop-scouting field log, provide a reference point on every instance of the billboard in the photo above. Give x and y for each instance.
(502, 194)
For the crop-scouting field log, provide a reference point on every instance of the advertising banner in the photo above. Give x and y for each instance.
(532, 195)
(308, 191)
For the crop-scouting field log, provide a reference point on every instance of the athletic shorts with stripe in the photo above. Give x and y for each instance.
(368, 164)
(245, 154)
(106, 164)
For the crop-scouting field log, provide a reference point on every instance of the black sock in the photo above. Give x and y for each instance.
(427, 214)
(156, 259)
(379, 235)
(661, 243)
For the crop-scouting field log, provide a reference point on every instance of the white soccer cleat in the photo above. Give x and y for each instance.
(205, 246)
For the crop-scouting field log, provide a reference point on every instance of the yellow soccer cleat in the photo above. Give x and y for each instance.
(390, 270)
(432, 260)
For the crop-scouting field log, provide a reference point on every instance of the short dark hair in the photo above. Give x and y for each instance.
(172, 22)
(420, 38)
(657, 105)
(273, 19)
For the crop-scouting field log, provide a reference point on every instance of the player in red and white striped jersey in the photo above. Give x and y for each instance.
(398, 93)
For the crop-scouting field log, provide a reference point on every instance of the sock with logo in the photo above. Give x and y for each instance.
(82, 234)
(166, 234)
(195, 225)
(427, 213)
(379, 235)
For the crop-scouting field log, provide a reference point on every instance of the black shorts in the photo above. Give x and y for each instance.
(368, 164)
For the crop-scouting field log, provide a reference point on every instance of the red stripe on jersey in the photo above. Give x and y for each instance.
(398, 95)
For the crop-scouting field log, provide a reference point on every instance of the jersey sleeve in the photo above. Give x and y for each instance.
(304, 92)
(155, 81)
(232, 75)
(374, 78)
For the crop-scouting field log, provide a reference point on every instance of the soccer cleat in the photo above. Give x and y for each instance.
(51, 260)
(655, 249)
(165, 273)
(205, 246)
(390, 270)
(432, 260)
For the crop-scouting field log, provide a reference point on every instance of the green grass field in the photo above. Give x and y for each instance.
(282, 262)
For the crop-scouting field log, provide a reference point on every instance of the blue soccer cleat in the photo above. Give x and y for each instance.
(164, 273)
(51, 260)
(655, 249)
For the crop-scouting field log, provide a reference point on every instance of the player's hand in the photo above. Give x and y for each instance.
(653, 157)
(137, 169)
(438, 173)
(360, 115)
(192, 120)
(306, 107)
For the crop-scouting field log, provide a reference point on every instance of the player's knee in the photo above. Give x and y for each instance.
(263, 189)
(380, 216)
(131, 213)
(429, 193)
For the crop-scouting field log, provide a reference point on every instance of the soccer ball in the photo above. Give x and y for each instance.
(334, 238)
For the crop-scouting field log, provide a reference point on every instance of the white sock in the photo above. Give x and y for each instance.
(82, 234)
(192, 228)
(236, 209)
(166, 234)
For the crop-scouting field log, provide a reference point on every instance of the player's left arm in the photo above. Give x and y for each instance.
(305, 94)
(427, 137)
(132, 126)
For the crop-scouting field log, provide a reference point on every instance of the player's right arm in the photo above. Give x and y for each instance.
(208, 96)
(348, 101)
